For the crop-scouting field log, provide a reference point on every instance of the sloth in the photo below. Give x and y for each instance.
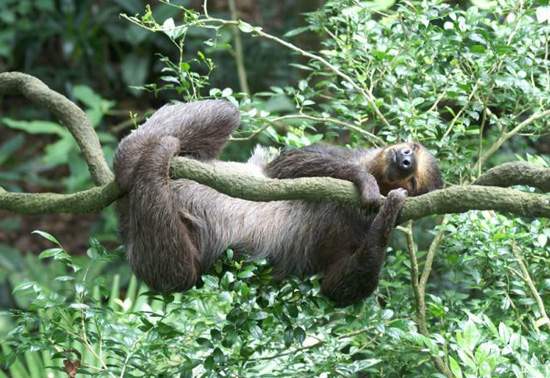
(175, 229)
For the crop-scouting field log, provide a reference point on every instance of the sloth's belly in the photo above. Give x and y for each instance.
(299, 238)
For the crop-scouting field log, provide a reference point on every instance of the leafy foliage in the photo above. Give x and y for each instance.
(239, 322)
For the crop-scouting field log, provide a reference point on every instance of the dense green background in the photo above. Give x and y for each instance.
(456, 76)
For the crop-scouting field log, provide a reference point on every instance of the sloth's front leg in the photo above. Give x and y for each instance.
(326, 161)
(356, 276)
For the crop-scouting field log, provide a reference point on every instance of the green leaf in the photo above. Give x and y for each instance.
(34, 127)
(24, 286)
(134, 69)
(455, 367)
(297, 31)
(79, 306)
(171, 30)
(51, 252)
(58, 153)
(87, 96)
(64, 278)
(13, 144)
(484, 4)
(47, 236)
(245, 27)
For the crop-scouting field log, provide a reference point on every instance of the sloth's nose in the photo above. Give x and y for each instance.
(405, 159)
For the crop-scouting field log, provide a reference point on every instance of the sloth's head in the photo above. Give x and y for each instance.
(407, 165)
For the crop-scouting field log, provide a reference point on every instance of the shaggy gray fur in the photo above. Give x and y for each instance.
(175, 229)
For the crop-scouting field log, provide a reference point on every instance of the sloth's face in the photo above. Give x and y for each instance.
(401, 160)
(409, 166)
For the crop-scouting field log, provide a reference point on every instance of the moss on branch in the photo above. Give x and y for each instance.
(87, 201)
(451, 200)
(516, 173)
(455, 199)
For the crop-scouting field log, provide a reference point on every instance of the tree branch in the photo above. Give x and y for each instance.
(456, 199)
(451, 200)
(87, 201)
(70, 115)
(516, 173)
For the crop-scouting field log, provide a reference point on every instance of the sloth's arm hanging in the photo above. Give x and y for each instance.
(354, 277)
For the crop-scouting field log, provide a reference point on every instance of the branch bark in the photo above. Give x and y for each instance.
(516, 173)
(451, 200)
(455, 199)
(70, 115)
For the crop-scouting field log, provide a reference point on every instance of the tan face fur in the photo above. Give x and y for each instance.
(406, 165)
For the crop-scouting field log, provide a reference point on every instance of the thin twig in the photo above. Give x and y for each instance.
(376, 140)
(437, 101)
(217, 22)
(365, 92)
(453, 121)
(544, 319)
(434, 246)
(319, 343)
(239, 56)
(507, 135)
(419, 287)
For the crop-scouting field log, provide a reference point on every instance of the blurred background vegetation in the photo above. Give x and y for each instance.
(456, 75)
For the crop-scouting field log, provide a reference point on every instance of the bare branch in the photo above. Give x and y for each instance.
(239, 55)
(544, 319)
(419, 282)
(70, 115)
(516, 173)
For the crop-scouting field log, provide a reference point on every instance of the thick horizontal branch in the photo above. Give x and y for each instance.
(455, 199)
(70, 115)
(516, 173)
